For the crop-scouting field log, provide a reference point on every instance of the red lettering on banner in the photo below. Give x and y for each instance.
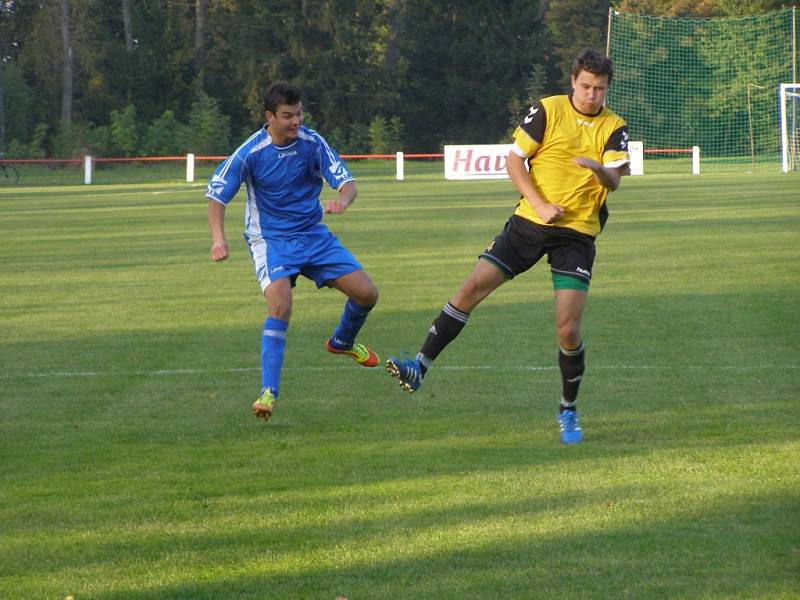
(458, 159)
(482, 163)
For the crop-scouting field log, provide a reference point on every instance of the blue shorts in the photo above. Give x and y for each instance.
(316, 254)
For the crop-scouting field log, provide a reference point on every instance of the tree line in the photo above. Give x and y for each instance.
(164, 77)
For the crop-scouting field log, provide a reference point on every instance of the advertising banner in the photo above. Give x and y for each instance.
(485, 161)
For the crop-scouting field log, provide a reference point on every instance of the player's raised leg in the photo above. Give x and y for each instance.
(484, 279)
(362, 295)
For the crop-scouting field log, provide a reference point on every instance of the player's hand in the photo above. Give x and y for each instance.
(219, 251)
(608, 178)
(336, 207)
(550, 213)
(588, 163)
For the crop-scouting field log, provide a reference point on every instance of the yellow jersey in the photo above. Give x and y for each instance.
(551, 136)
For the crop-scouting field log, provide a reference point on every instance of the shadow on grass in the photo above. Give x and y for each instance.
(460, 556)
(176, 464)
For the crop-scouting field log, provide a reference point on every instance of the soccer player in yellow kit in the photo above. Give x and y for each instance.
(576, 150)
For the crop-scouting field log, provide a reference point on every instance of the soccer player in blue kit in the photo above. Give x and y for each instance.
(283, 166)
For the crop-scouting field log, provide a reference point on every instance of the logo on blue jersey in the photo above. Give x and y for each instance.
(216, 185)
(337, 170)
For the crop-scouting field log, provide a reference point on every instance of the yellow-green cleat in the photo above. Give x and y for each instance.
(360, 353)
(264, 405)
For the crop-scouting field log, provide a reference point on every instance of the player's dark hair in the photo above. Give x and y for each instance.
(280, 92)
(593, 62)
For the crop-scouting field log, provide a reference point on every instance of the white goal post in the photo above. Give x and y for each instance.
(790, 127)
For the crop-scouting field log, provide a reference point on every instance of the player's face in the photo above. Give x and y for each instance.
(589, 92)
(284, 123)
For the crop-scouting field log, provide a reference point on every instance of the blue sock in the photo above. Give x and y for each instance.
(273, 343)
(350, 324)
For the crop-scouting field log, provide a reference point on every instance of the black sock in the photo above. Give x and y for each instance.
(572, 364)
(445, 329)
(567, 406)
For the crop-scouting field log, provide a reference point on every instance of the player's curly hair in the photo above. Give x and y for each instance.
(593, 62)
(280, 92)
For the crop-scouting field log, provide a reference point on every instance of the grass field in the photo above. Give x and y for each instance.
(132, 468)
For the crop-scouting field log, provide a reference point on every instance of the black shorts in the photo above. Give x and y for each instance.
(522, 243)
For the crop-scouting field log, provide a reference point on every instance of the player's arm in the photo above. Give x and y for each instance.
(615, 158)
(220, 191)
(347, 194)
(608, 177)
(216, 223)
(527, 138)
(515, 165)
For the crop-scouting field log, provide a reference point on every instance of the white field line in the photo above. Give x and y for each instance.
(177, 189)
(179, 372)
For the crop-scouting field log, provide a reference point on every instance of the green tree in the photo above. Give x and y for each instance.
(536, 87)
(163, 136)
(358, 139)
(698, 8)
(18, 100)
(98, 141)
(396, 134)
(125, 131)
(9, 31)
(35, 148)
(378, 135)
(464, 62)
(209, 129)
(572, 26)
(448, 71)
(386, 135)
(336, 138)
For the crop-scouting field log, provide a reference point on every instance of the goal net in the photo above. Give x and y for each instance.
(711, 83)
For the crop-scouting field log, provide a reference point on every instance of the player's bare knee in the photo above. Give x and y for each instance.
(569, 335)
(368, 298)
(469, 296)
(280, 311)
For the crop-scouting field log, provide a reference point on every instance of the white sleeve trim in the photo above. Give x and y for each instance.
(617, 163)
(518, 151)
(345, 181)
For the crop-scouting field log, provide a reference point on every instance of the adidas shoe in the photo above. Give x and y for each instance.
(407, 371)
(569, 427)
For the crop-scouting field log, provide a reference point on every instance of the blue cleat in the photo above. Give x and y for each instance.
(569, 427)
(407, 371)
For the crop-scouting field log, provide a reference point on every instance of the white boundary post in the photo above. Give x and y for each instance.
(636, 152)
(695, 160)
(87, 170)
(399, 167)
(189, 168)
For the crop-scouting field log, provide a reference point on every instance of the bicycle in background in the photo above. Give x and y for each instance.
(8, 172)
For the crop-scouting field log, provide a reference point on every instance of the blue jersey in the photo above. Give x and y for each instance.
(283, 182)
